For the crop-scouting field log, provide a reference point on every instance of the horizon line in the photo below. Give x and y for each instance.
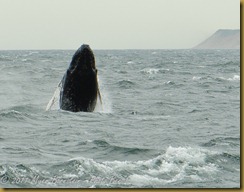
(117, 49)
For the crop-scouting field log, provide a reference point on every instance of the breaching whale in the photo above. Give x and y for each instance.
(79, 86)
(78, 89)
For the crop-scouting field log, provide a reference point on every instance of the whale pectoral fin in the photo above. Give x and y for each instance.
(99, 95)
(98, 90)
(55, 97)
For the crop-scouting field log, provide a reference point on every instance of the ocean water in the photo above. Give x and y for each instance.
(169, 119)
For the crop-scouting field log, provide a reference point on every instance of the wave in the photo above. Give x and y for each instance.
(113, 149)
(154, 117)
(195, 78)
(229, 63)
(210, 80)
(128, 150)
(130, 62)
(151, 71)
(230, 141)
(26, 60)
(169, 83)
(174, 166)
(126, 84)
(5, 58)
(13, 114)
(122, 71)
(21, 112)
(234, 78)
(10, 113)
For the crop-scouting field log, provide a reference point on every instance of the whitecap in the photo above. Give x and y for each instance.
(186, 154)
(152, 71)
(144, 180)
(235, 78)
(194, 78)
(169, 83)
(175, 164)
(195, 177)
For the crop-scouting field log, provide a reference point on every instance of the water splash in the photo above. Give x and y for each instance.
(103, 106)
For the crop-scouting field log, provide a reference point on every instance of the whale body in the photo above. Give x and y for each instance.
(79, 86)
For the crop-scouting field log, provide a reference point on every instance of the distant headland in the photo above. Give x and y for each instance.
(222, 39)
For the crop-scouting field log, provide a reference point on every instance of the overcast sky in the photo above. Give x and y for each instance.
(113, 24)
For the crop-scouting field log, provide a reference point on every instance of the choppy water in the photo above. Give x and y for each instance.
(170, 118)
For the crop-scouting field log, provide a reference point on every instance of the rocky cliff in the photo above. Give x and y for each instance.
(222, 39)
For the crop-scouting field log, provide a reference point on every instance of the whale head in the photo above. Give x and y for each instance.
(83, 59)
